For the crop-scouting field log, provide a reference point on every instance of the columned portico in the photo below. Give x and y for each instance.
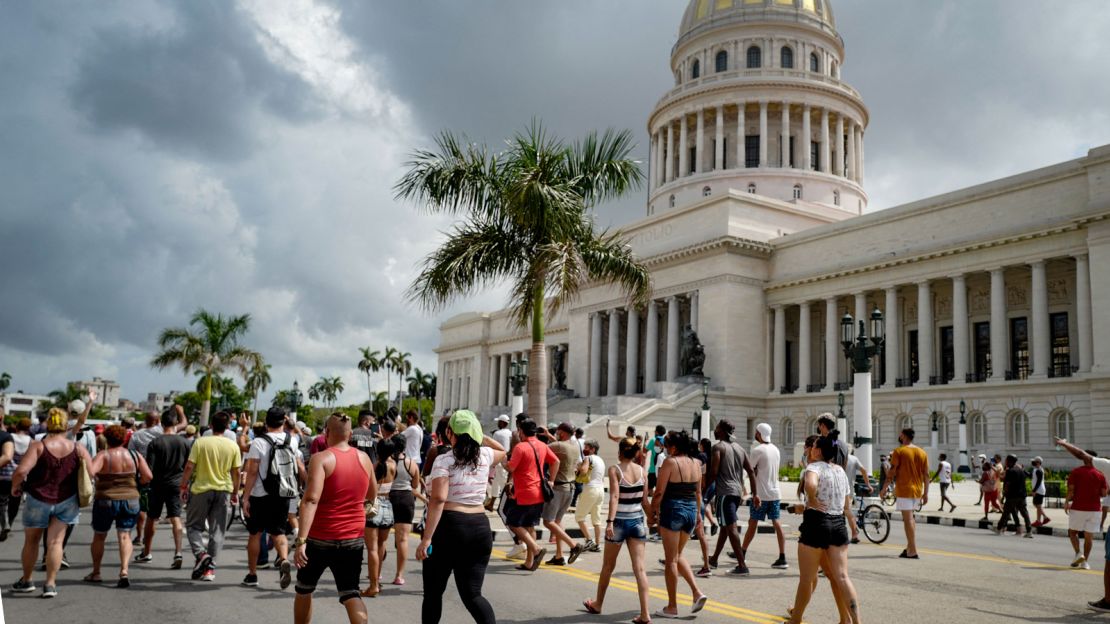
(893, 340)
(1083, 313)
(805, 349)
(780, 349)
(651, 346)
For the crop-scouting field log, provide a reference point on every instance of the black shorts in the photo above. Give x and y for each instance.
(820, 530)
(651, 483)
(144, 498)
(404, 506)
(165, 495)
(1038, 500)
(523, 516)
(269, 514)
(342, 557)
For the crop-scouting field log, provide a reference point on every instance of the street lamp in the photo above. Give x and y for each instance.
(934, 432)
(588, 420)
(841, 419)
(518, 377)
(964, 467)
(859, 353)
(703, 421)
(295, 398)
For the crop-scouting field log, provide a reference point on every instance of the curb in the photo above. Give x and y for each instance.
(985, 525)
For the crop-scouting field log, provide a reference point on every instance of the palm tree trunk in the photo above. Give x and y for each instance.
(369, 393)
(207, 405)
(537, 364)
(388, 385)
(400, 391)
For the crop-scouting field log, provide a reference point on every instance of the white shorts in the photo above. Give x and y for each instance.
(294, 505)
(1084, 521)
(907, 504)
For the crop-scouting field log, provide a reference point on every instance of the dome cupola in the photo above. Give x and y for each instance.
(703, 14)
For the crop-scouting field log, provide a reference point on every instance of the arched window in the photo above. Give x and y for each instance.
(941, 422)
(755, 57)
(706, 192)
(811, 426)
(1063, 424)
(751, 188)
(977, 430)
(797, 191)
(787, 433)
(814, 63)
(787, 58)
(836, 198)
(695, 71)
(672, 201)
(721, 61)
(904, 421)
(1017, 429)
(876, 431)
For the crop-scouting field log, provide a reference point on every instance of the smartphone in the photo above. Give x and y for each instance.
(429, 551)
(374, 428)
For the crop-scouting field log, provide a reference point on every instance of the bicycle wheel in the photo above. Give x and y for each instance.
(888, 498)
(876, 523)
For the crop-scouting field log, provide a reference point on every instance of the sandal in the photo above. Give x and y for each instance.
(370, 592)
(124, 582)
(523, 568)
(637, 620)
(539, 559)
(398, 581)
(92, 577)
(590, 608)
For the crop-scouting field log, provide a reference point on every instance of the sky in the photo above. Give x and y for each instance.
(239, 156)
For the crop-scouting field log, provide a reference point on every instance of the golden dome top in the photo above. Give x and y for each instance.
(704, 14)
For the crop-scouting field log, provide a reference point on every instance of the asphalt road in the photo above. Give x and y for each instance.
(965, 575)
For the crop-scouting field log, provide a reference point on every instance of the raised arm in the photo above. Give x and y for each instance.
(1076, 452)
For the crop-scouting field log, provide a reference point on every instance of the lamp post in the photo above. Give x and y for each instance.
(859, 354)
(841, 419)
(934, 432)
(518, 377)
(295, 399)
(588, 420)
(702, 421)
(964, 467)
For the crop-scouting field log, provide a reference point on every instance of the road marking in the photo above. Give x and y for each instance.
(995, 559)
(711, 606)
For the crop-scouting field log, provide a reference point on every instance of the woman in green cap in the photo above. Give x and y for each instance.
(457, 537)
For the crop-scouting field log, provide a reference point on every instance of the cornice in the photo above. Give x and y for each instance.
(670, 291)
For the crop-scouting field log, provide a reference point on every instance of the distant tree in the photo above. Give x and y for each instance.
(257, 380)
(402, 365)
(371, 362)
(389, 359)
(5, 382)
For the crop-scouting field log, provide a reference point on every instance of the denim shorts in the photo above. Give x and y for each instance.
(767, 510)
(384, 518)
(628, 528)
(37, 514)
(124, 513)
(679, 515)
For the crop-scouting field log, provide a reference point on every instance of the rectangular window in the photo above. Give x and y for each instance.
(1061, 346)
(947, 354)
(913, 355)
(790, 375)
(693, 160)
(814, 150)
(1019, 348)
(983, 350)
(751, 151)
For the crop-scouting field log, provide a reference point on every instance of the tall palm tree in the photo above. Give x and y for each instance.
(430, 386)
(416, 382)
(371, 362)
(316, 391)
(387, 361)
(525, 216)
(209, 344)
(333, 387)
(402, 365)
(256, 381)
(379, 403)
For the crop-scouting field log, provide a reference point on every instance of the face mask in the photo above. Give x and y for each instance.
(658, 439)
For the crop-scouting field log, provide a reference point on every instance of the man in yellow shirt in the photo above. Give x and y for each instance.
(213, 467)
(909, 469)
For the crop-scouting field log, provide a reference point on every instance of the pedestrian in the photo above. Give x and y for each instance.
(407, 484)
(726, 471)
(9, 505)
(592, 468)
(8, 465)
(166, 455)
(1101, 464)
(709, 488)
(413, 435)
(119, 473)
(943, 476)
(500, 476)
(457, 538)
(49, 473)
(676, 508)
(213, 469)
(653, 448)
(525, 505)
(626, 523)
(1013, 488)
(765, 459)
(1086, 487)
(823, 542)
(363, 437)
(379, 517)
(269, 487)
(909, 469)
(989, 487)
(1037, 476)
(566, 450)
(629, 432)
(977, 467)
(138, 443)
(340, 481)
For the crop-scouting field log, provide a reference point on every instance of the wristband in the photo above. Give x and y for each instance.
(300, 541)
(609, 522)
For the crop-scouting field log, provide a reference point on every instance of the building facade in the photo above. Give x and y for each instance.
(756, 240)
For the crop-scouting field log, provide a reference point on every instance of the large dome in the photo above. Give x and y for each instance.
(704, 14)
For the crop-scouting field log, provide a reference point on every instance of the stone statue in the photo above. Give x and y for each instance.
(691, 355)
(560, 365)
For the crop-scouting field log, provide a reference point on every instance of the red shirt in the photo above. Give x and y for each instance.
(526, 479)
(340, 514)
(319, 443)
(1085, 484)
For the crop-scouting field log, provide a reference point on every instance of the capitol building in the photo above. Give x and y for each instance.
(758, 238)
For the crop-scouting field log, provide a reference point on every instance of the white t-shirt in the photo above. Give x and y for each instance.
(504, 437)
(465, 487)
(832, 486)
(1040, 489)
(413, 435)
(597, 472)
(260, 450)
(944, 472)
(765, 460)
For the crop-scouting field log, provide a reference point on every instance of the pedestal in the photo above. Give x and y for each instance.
(964, 467)
(861, 410)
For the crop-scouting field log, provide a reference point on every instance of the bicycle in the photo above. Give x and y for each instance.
(872, 519)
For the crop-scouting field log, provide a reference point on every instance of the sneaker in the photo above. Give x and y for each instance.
(593, 547)
(250, 580)
(286, 573)
(177, 561)
(1085, 565)
(704, 573)
(588, 545)
(49, 591)
(1100, 605)
(1078, 561)
(1036, 524)
(204, 562)
(65, 566)
(996, 530)
(141, 558)
(1028, 535)
(574, 553)
(4, 534)
(209, 576)
(740, 571)
(713, 528)
(780, 563)
(555, 561)
(277, 563)
(23, 587)
(519, 551)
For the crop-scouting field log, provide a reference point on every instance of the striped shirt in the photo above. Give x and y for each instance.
(630, 498)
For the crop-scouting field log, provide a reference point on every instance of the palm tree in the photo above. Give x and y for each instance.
(333, 387)
(257, 380)
(430, 386)
(371, 362)
(388, 359)
(316, 391)
(379, 402)
(209, 344)
(526, 218)
(5, 382)
(415, 382)
(402, 365)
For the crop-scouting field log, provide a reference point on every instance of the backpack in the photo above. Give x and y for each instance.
(281, 476)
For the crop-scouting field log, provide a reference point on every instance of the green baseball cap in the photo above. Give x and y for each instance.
(464, 421)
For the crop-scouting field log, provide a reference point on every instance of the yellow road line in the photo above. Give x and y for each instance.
(995, 559)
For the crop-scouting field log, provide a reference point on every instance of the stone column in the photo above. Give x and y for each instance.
(832, 344)
(699, 143)
(595, 354)
(825, 167)
(838, 158)
(670, 152)
(860, 154)
(613, 355)
(632, 351)
(893, 339)
(960, 329)
(924, 332)
(719, 145)
(683, 150)
(850, 160)
(491, 384)
(805, 348)
(656, 161)
(785, 150)
(1000, 347)
(780, 349)
(1038, 326)
(807, 138)
(741, 136)
(672, 338)
(861, 312)
(651, 346)
(763, 134)
(694, 310)
(1083, 313)
(503, 381)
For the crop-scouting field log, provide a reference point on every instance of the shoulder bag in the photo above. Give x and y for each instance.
(545, 486)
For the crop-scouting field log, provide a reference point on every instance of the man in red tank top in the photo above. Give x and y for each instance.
(340, 481)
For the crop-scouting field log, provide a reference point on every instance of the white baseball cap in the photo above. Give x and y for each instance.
(764, 430)
(503, 418)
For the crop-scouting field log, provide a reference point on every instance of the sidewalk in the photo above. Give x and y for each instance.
(970, 515)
